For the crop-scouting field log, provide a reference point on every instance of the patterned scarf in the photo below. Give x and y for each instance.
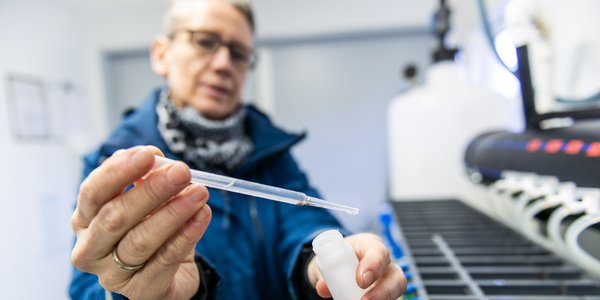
(209, 145)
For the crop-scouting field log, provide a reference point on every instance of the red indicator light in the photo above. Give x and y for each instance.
(573, 147)
(593, 150)
(534, 145)
(553, 146)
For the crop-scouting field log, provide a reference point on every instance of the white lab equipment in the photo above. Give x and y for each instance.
(587, 202)
(534, 190)
(559, 57)
(258, 190)
(574, 231)
(529, 185)
(531, 226)
(429, 128)
(338, 264)
(555, 221)
(505, 191)
(564, 48)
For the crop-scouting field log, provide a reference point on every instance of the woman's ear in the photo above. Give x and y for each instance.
(158, 52)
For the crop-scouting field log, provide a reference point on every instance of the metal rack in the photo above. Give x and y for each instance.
(457, 252)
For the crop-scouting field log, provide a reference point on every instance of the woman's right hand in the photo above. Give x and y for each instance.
(155, 225)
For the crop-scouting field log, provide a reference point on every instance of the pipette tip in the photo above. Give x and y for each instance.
(312, 201)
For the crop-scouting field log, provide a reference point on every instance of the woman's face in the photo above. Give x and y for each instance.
(205, 61)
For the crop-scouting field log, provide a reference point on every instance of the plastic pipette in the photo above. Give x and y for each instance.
(259, 190)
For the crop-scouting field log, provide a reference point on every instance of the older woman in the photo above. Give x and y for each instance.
(157, 237)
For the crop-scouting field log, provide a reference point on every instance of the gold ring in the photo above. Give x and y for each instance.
(123, 265)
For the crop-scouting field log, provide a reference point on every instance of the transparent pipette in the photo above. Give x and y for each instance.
(259, 190)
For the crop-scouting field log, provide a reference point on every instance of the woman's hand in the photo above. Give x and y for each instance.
(376, 272)
(140, 243)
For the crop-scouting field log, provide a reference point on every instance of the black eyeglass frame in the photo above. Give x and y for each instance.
(232, 47)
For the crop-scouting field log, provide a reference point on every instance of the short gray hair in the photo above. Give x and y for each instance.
(175, 11)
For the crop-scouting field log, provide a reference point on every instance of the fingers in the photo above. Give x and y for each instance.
(156, 224)
(167, 262)
(115, 218)
(373, 268)
(142, 241)
(322, 288)
(109, 180)
(173, 261)
(391, 285)
(316, 279)
(376, 273)
(373, 256)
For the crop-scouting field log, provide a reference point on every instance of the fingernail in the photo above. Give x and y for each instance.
(118, 151)
(138, 156)
(194, 195)
(200, 216)
(368, 278)
(177, 174)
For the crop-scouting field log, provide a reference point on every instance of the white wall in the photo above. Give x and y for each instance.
(38, 178)
(292, 18)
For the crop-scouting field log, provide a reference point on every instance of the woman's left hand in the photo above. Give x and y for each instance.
(376, 272)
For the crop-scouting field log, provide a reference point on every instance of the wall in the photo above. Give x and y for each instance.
(43, 39)
(295, 18)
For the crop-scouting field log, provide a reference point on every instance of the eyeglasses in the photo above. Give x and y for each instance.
(208, 43)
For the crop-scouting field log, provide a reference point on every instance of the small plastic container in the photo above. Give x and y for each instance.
(338, 263)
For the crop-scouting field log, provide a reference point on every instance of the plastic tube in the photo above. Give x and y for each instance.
(502, 192)
(588, 201)
(585, 260)
(531, 226)
(258, 190)
(543, 186)
(528, 184)
(555, 221)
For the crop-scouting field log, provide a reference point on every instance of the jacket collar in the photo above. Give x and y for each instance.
(140, 128)
(268, 139)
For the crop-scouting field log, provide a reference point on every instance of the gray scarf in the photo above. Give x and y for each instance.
(209, 145)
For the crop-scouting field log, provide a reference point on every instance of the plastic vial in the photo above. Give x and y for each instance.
(338, 263)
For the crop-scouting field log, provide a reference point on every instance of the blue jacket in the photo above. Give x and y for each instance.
(252, 243)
